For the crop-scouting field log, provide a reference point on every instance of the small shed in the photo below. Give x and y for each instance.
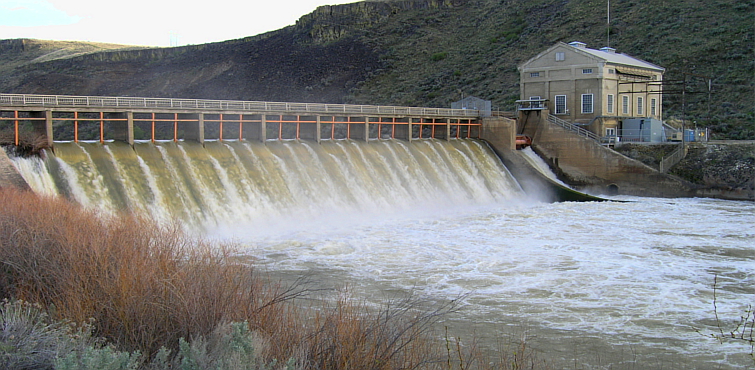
(645, 130)
(473, 102)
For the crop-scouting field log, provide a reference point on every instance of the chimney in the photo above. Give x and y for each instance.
(608, 50)
(578, 44)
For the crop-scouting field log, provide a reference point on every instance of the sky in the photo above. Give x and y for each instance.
(149, 22)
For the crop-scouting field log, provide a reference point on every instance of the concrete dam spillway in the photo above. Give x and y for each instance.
(443, 218)
(220, 184)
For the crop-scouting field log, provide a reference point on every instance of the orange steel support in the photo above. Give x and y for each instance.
(15, 115)
(175, 127)
(241, 127)
(280, 127)
(76, 127)
(220, 136)
(153, 127)
(102, 128)
(298, 123)
(333, 129)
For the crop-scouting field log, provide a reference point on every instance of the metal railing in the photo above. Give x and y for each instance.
(251, 106)
(571, 127)
(672, 159)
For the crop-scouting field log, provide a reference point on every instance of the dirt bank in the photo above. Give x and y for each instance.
(721, 167)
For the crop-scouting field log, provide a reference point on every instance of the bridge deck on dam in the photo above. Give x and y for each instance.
(74, 118)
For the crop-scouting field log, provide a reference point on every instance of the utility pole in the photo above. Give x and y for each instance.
(684, 115)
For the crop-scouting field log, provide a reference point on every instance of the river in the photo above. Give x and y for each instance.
(597, 285)
(608, 285)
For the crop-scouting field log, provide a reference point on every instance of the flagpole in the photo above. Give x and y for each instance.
(608, 24)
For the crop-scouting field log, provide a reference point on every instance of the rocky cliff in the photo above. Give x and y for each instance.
(421, 52)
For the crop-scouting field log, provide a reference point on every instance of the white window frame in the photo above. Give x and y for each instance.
(609, 103)
(534, 74)
(610, 132)
(558, 106)
(560, 56)
(640, 105)
(653, 107)
(624, 104)
(586, 71)
(588, 101)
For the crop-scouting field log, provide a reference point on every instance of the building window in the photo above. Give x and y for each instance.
(610, 132)
(586, 71)
(535, 74)
(609, 103)
(560, 104)
(653, 107)
(625, 104)
(611, 71)
(586, 103)
(560, 56)
(640, 105)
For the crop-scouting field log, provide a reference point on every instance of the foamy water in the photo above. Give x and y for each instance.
(633, 277)
(599, 285)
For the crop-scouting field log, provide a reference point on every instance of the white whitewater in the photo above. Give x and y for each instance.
(596, 285)
(222, 184)
(539, 164)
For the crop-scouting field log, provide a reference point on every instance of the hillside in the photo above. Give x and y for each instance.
(16, 53)
(431, 53)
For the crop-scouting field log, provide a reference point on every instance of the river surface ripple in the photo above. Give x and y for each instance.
(609, 285)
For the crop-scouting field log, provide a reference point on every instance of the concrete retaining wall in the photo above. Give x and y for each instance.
(500, 132)
(589, 166)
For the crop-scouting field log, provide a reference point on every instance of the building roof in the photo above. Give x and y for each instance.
(609, 55)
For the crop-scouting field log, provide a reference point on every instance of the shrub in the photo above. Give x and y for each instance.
(144, 285)
(104, 358)
(147, 286)
(30, 339)
(438, 56)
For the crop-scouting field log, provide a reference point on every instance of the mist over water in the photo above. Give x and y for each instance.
(610, 285)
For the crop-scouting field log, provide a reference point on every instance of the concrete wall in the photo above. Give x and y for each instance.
(499, 132)
(587, 165)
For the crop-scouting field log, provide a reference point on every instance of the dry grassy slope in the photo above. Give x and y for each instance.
(16, 53)
(275, 66)
(430, 52)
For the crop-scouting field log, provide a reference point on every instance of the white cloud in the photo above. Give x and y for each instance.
(156, 22)
(32, 13)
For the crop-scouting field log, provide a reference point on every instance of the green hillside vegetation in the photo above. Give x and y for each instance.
(433, 52)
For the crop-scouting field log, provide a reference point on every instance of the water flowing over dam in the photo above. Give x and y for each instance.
(224, 183)
(621, 285)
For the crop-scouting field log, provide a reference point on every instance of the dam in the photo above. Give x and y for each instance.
(224, 183)
(623, 285)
